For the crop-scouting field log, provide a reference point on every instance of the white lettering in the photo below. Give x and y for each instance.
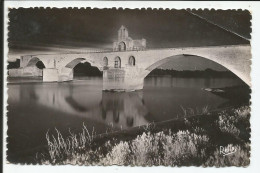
(229, 149)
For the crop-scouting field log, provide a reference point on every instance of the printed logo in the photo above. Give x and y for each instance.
(230, 149)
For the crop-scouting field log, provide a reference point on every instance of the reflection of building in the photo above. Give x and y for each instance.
(125, 42)
(125, 109)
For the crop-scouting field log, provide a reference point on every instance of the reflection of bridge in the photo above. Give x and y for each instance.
(127, 68)
(120, 109)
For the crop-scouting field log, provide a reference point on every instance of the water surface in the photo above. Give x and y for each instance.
(35, 107)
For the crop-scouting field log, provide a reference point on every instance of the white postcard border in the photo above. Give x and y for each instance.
(253, 7)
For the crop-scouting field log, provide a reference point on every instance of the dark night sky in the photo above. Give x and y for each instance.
(95, 28)
(98, 28)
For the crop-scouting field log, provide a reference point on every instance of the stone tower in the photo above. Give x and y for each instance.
(125, 43)
(122, 33)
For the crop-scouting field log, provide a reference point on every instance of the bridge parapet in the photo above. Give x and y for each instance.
(236, 58)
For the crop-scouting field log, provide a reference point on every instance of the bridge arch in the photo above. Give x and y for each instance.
(167, 59)
(131, 61)
(74, 62)
(66, 68)
(33, 62)
(117, 62)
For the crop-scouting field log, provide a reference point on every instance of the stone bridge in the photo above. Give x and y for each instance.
(126, 70)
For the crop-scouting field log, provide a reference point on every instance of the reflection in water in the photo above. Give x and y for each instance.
(121, 110)
(163, 96)
(74, 104)
(168, 81)
(35, 108)
(126, 109)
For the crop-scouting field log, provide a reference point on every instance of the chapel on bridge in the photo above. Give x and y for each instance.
(125, 42)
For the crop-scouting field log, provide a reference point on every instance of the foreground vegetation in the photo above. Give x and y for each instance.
(195, 140)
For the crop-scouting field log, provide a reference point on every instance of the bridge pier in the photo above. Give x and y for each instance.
(57, 75)
(50, 75)
(123, 79)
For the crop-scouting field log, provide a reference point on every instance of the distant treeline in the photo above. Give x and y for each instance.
(15, 64)
(85, 69)
(207, 73)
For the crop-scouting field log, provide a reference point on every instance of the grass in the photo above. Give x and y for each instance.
(197, 143)
(61, 149)
(197, 111)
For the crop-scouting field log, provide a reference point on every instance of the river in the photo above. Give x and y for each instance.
(35, 107)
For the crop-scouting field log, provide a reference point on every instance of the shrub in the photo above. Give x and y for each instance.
(183, 147)
(229, 122)
(226, 124)
(243, 113)
(158, 149)
(119, 155)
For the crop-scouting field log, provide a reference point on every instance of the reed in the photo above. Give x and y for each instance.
(205, 110)
(62, 149)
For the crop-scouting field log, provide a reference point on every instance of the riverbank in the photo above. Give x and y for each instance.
(194, 140)
(242, 92)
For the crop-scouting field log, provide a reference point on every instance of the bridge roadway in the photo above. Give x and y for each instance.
(126, 70)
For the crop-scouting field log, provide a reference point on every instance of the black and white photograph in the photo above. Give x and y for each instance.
(130, 87)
